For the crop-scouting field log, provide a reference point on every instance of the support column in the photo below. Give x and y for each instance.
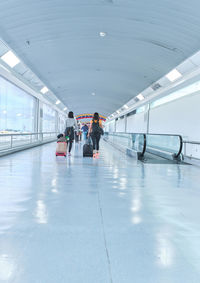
(125, 121)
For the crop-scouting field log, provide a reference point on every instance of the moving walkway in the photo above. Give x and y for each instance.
(149, 148)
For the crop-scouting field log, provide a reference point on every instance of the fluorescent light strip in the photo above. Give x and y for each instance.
(44, 90)
(10, 58)
(58, 102)
(178, 94)
(173, 75)
(140, 96)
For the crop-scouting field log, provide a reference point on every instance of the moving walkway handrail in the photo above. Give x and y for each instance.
(145, 135)
(144, 145)
(180, 148)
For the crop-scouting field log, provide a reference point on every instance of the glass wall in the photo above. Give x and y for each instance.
(61, 123)
(49, 119)
(17, 109)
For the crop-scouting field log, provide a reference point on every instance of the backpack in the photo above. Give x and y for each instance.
(96, 129)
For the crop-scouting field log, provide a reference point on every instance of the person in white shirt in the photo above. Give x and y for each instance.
(71, 125)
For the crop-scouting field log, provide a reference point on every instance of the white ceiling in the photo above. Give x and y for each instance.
(59, 41)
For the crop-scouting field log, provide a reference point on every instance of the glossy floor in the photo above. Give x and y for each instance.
(97, 221)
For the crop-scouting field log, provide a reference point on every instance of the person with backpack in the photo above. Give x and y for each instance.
(71, 124)
(95, 131)
(85, 131)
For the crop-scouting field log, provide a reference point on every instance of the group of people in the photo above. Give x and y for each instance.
(94, 131)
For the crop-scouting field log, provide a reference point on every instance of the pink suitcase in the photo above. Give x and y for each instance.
(61, 149)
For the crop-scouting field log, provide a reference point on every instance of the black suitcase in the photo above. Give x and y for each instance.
(88, 149)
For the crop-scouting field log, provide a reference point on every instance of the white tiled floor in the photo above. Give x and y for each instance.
(97, 221)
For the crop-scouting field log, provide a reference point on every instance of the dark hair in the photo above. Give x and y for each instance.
(70, 114)
(60, 136)
(96, 116)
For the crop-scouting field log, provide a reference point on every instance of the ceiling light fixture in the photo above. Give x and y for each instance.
(173, 75)
(126, 106)
(19, 114)
(4, 111)
(102, 34)
(58, 102)
(65, 108)
(93, 93)
(118, 111)
(10, 58)
(140, 96)
(44, 90)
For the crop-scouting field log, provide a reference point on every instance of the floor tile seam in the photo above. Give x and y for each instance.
(105, 241)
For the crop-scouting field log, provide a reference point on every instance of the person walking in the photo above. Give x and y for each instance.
(95, 131)
(85, 131)
(71, 125)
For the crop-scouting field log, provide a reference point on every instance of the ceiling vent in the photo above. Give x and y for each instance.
(155, 86)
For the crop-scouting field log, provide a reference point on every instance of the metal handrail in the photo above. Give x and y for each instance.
(153, 134)
(27, 134)
(191, 142)
(12, 139)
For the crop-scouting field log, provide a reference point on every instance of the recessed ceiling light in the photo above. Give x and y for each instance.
(65, 108)
(58, 102)
(44, 90)
(19, 114)
(4, 111)
(126, 106)
(102, 34)
(10, 58)
(93, 93)
(140, 96)
(173, 75)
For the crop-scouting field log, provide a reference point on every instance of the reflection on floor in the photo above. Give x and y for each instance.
(100, 221)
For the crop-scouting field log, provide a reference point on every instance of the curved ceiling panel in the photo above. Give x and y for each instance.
(60, 42)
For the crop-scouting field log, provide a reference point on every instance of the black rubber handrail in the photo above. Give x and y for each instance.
(144, 145)
(180, 148)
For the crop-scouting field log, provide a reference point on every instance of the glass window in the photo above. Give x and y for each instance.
(49, 119)
(140, 109)
(61, 123)
(17, 109)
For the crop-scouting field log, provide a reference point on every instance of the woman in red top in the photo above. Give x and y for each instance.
(95, 133)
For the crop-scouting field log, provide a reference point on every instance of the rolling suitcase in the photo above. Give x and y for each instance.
(88, 149)
(61, 149)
